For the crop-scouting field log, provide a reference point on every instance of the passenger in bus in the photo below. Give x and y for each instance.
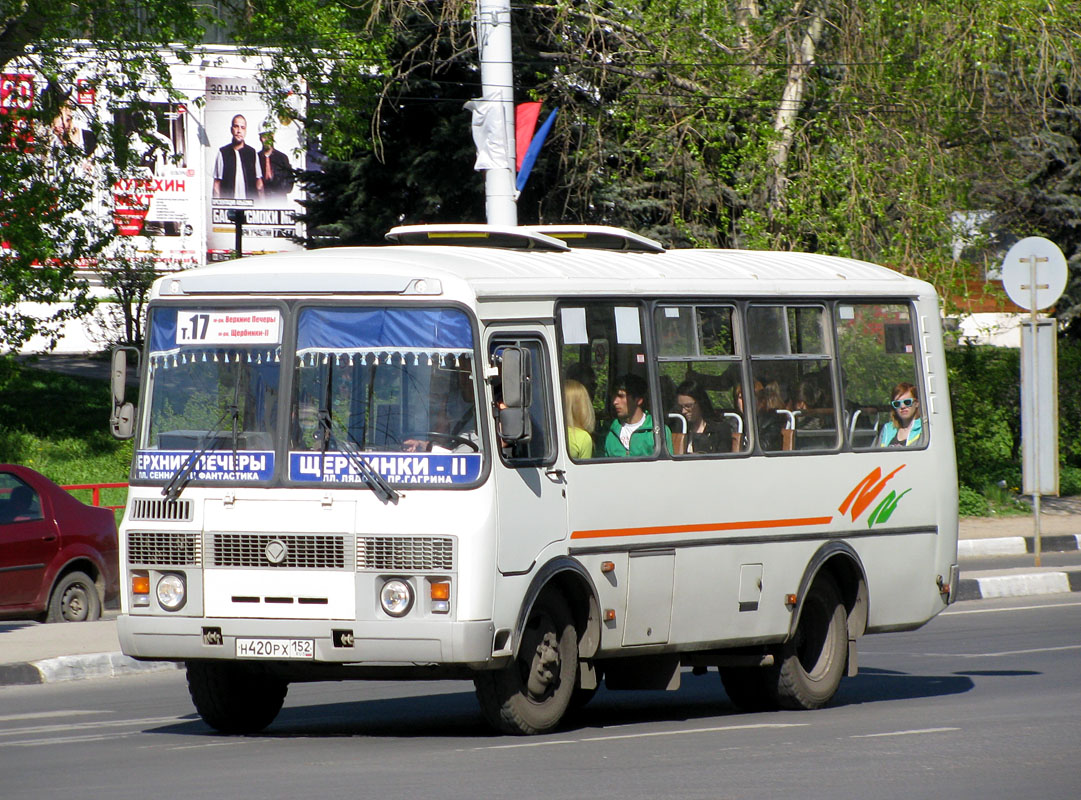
(768, 399)
(631, 432)
(581, 419)
(905, 426)
(813, 398)
(584, 374)
(705, 433)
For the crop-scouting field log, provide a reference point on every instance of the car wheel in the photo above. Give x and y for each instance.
(74, 599)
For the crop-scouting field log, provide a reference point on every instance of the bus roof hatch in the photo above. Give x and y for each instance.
(475, 235)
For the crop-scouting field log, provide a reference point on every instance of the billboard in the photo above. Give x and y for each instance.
(252, 158)
(158, 196)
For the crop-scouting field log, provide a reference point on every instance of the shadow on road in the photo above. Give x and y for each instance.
(455, 715)
(877, 685)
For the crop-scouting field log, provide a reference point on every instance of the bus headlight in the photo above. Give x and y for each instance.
(396, 597)
(171, 592)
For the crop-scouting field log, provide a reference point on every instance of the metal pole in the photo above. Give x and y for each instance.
(497, 78)
(1035, 373)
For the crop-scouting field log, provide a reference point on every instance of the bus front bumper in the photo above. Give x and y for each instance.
(389, 643)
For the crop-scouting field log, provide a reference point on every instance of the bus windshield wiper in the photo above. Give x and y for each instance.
(182, 476)
(347, 443)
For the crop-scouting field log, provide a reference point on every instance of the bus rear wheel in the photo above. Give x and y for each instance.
(750, 688)
(811, 663)
(533, 692)
(234, 699)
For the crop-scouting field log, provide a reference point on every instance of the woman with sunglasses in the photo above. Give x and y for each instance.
(905, 426)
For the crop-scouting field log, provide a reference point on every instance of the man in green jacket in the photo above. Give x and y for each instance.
(631, 432)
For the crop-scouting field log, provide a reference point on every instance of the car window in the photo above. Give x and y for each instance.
(18, 502)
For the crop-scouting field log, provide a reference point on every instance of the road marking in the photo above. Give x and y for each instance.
(975, 655)
(67, 740)
(229, 743)
(87, 726)
(67, 712)
(1012, 608)
(905, 733)
(647, 734)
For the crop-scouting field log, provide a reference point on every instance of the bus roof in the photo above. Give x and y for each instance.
(495, 273)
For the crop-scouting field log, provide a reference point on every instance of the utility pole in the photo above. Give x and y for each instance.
(497, 78)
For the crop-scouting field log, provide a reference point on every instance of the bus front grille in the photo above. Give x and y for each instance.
(150, 509)
(288, 550)
(164, 548)
(405, 553)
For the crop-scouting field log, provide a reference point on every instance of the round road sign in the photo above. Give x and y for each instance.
(1034, 273)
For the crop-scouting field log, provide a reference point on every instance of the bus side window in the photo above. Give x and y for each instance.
(795, 402)
(537, 449)
(700, 377)
(877, 351)
(603, 349)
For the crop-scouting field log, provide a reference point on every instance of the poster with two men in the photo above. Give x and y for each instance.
(253, 158)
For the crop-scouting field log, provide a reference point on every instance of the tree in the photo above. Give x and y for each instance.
(47, 176)
(53, 174)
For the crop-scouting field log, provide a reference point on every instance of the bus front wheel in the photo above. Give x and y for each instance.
(533, 692)
(232, 698)
(812, 662)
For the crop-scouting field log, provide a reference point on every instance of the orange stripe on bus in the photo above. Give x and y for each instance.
(703, 528)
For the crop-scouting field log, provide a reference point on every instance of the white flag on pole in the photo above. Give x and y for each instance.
(489, 133)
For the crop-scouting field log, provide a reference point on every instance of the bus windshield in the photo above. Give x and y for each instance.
(388, 381)
(377, 394)
(212, 385)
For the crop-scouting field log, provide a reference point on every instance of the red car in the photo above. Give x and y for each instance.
(58, 557)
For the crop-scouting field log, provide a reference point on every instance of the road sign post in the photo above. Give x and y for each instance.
(1034, 276)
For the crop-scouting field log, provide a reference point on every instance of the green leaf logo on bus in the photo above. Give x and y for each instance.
(866, 491)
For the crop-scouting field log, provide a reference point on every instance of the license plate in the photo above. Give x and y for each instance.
(275, 648)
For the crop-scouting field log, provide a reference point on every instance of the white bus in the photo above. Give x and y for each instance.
(524, 457)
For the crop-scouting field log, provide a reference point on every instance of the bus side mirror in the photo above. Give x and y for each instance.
(516, 378)
(122, 420)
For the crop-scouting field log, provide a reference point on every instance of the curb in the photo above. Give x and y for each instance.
(1023, 585)
(1017, 545)
(77, 668)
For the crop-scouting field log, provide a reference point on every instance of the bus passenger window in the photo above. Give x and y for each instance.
(603, 349)
(795, 406)
(877, 354)
(699, 369)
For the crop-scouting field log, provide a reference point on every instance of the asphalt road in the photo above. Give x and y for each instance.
(982, 703)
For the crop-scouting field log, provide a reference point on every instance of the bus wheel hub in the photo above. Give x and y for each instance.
(545, 666)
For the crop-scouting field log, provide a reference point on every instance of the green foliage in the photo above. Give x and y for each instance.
(47, 181)
(1069, 481)
(986, 395)
(971, 503)
(58, 425)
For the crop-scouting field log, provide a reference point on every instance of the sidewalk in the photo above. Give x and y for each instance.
(32, 653)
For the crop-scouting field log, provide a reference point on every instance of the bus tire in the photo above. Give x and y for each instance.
(750, 688)
(812, 662)
(533, 692)
(234, 699)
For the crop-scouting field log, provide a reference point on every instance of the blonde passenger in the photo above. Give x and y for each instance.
(578, 411)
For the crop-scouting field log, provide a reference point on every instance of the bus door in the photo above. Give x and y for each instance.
(530, 481)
